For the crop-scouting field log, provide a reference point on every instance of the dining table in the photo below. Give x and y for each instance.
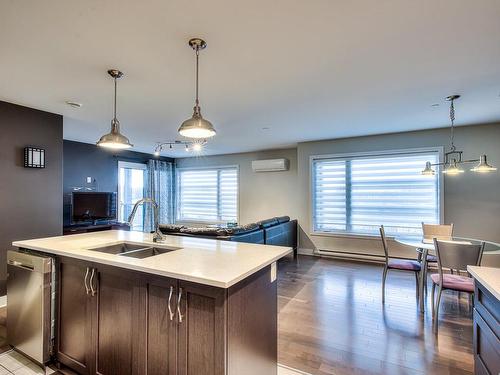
(426, 247)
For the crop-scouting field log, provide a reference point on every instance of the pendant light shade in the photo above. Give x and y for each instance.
(197, 127)
(428, 171)
(483, 166)
(114, 139)
(453, 169)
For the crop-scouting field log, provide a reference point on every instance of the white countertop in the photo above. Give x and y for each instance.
(489, 277)
(210, 262)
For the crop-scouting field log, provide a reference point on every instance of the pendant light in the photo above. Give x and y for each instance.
(114, 139)
(453, 169)
(453, 158)
(428, 171)
(197, 127)
(483, 166)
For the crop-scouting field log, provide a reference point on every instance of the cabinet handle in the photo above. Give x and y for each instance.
(179, 305)
(92, 290)
(85, 281)
(170, 312)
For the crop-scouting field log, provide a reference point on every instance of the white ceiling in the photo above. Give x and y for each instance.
(308, 70)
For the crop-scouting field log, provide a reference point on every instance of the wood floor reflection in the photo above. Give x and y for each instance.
(332, 321)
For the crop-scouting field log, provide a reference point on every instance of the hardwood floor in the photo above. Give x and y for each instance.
(331, 321)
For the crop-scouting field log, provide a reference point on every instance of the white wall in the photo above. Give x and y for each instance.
(261, 195)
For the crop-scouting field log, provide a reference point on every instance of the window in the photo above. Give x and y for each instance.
(207, 195)
(131, 183)
(356, 194)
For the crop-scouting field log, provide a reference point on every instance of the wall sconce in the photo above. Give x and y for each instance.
(34, 157)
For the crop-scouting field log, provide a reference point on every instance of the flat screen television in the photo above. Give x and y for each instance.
(93, 206)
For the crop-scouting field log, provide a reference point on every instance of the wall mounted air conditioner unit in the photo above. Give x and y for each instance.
(271, 165)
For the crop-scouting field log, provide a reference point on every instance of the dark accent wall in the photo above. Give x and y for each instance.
(30, 199)
(82, 160)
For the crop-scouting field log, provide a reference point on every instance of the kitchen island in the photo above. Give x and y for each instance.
(127, 305)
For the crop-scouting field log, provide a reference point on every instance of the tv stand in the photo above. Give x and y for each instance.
(87, 228)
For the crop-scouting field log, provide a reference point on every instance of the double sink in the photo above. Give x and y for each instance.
(134, 251)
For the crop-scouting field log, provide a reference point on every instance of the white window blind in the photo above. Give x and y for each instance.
(207, 195)
(358, 194)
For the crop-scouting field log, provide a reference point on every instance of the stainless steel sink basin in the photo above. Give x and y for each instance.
(119, 248)
(133, 250)
(149, 252)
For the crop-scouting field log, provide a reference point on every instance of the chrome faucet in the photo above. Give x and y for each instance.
(158, 236)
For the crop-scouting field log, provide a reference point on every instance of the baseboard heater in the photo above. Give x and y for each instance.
(354, 256)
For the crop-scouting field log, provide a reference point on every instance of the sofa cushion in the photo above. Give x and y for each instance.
(283, 219)
(203, 231)
(241, 229)
(171, 228)
(267, 223)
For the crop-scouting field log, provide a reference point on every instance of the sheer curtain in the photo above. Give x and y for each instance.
(160, 187)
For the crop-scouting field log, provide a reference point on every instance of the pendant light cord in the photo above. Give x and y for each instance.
(452, 118)
(197, 101)
(114, 115)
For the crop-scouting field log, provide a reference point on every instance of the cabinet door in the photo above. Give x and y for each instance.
(120, 322)
(162, 327)
(201, 321)
(74, 328)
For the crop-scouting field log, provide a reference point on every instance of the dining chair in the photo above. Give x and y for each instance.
(397, 264)
(439, 231)
(431, 231)
(454, 255)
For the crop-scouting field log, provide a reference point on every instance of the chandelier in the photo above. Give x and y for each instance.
(453, 159)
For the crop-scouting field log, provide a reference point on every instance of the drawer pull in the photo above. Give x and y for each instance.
(85, 281)
(93, 291)
(170, 312)
(179, 305)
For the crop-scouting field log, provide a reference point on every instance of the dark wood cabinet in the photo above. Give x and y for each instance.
(120, 322)
(74, 346)
(202, 334)
(486, 332)
(113, 321)
(162, 327)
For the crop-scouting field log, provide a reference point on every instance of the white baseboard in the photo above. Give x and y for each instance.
(3, 301)
(303, 251)
(350, 256)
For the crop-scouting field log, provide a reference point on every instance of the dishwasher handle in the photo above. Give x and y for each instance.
(15, 263)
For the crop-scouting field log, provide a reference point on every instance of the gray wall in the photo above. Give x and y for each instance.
(261, 195)
(471, 201)
(82, 160)
(30, 199)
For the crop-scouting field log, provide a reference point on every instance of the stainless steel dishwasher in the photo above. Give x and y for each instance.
(30, 304)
